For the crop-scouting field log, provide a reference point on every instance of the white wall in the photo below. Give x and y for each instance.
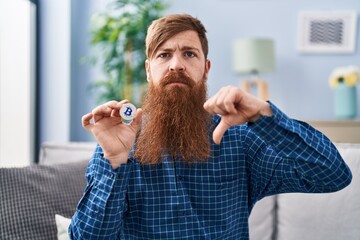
(17, 93)
(55, 70)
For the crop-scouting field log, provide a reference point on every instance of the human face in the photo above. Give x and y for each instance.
(182, 52)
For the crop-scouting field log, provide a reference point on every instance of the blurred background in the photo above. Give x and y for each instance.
(58, 76)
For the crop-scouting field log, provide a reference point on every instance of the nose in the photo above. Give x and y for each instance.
(176, 64)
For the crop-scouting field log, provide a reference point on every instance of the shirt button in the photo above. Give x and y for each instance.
(180, 178)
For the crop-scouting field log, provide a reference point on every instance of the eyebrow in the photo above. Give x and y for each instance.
(185, 48)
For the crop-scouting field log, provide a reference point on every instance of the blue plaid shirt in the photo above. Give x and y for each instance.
(208, 200)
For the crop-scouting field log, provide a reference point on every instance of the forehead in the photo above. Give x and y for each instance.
(183, 39)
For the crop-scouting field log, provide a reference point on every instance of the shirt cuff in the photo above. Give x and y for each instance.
(104, 173)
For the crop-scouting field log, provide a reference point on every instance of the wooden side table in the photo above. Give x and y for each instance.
(342, 131)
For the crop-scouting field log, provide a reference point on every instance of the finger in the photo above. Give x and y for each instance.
(85, 120)
(227, 100)
(107, 110)
(115, 113)
(219, 131)
(219, 110)
(100, 112)
(136, 123)
(115, 104)
(222, 102)
(229, 105)
(207, 106)
(212, 108)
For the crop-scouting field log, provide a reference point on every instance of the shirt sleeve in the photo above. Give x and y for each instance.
(99, 214)
(286, 155)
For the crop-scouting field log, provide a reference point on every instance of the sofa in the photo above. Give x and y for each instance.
(38, 200)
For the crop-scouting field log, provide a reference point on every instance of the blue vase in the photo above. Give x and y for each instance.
(345, 101)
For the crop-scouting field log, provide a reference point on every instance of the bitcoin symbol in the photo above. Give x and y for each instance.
(128, 111)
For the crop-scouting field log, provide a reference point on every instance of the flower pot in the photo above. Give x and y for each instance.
(345, 101)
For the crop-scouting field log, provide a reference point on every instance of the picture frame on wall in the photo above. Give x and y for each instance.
(327, 31)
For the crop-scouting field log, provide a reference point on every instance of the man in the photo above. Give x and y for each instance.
(191, 168)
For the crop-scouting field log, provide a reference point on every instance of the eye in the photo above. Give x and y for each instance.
(189, 54)
(164, 55)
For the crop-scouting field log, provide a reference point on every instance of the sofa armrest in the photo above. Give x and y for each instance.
(328, 216)
(262, 219)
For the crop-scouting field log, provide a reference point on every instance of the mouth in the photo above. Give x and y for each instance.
(177, 83)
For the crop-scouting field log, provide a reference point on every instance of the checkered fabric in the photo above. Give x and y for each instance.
(31, 196)
(213, 199)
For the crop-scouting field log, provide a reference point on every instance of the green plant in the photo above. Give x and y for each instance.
(118, 42)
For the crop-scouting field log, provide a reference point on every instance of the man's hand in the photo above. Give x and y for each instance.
(115, 138)
(235, 107)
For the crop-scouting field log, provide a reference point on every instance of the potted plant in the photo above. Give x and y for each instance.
(118, 43)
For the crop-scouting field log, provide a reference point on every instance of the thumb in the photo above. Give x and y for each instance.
(136, 123)
(219, 131)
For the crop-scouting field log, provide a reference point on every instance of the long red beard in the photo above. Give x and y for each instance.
(174, 121)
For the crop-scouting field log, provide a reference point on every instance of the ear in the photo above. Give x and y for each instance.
(207, 67)
(147, 68)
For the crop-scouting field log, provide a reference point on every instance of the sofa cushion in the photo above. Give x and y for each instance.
(56, 153)
(31, 196)
(324, 216)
